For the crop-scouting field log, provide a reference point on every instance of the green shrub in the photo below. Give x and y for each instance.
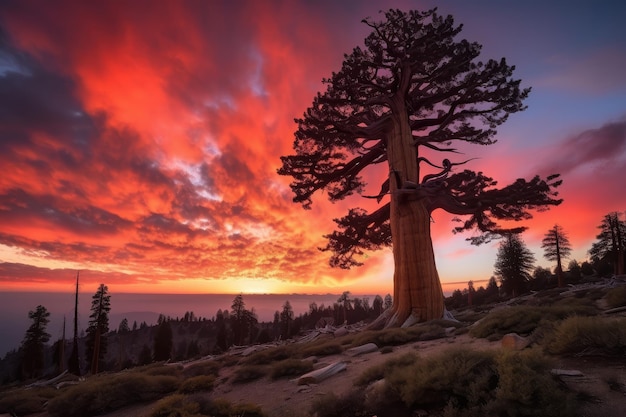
(401, 336)
(176, 405)
(523, 319)
(290, 367)
(103, 393)
(248, 373)
(330, 405)
(477, 383)
(23, 401)
(197, 384)
(588, 336)
(616, 297)
(202, 368)
(375, 373)
(323, 348)
(269, 355)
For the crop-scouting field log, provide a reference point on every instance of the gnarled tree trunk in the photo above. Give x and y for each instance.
(418, 296)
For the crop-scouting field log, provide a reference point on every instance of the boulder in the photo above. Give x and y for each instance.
(514, 341)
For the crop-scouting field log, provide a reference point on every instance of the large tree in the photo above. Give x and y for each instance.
(513, 266)
(556, 246)
(611, 244)
(98, 328)
(34, 342)
(412, 91)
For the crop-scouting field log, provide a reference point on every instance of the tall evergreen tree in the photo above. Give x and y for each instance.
(611, 244)
(163, 341)
(286, 320)
(402, 100)
(556, 247)
(34, 343)
(98, 328)
(513, 266)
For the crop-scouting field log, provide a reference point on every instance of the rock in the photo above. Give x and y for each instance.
(514, 341)
(342, 331)
(566, 372)
(321, 374)
(359, 350)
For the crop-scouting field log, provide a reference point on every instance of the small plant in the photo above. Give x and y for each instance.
(588, 336)
(248, 373)
(176, 405)
(197, 384)
(104, 393)
(25, 401)
(616, 297)
(269, 355)
(457, 383)
(324, 348)
(523, 319)
(202, 368)
(290, 367)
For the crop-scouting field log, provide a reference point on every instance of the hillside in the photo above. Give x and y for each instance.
(550, 356)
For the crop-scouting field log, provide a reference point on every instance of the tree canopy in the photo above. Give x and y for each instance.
(514, 263)
(411, 67)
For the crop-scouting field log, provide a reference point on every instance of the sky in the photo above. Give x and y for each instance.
(139, 140)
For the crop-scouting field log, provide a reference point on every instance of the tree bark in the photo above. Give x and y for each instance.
(418, 296)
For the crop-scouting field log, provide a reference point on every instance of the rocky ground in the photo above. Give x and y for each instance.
(603, 381)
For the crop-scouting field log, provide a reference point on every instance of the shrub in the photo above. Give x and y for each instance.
(176, 405)
(616, 297)
(401, 336)
(103, 393)
(269, 355)
(323, 348)
(248, 373)
(330, 405)
(523, 319)
(202, 368)
(25, 401)
(375, 373)
(197, 384)
(290, 367)
(588, 336)
(477, 383)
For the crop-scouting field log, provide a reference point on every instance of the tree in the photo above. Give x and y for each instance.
(344, 301)
(163, 341)
(377, 305)
(611, 242)
(123, 327)
(286, 320)
(242, 320)
(514, 263)
(34, 342)
(96, 342)
(556, 246)
(403, 99)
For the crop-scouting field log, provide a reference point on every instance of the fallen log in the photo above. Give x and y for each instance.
(321, 374)
(359, 350)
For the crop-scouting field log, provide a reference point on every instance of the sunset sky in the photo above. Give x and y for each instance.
(139, 140)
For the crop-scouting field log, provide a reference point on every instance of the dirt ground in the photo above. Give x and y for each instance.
(603, 382)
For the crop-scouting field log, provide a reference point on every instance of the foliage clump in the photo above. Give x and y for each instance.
(22, 402)
(523, 320)
(269, 355)
(248, 373)
(458, 382)
(178, 405)
(104, 393)
(589, 336)
(197, 384)
(616, 297)
(290, 367)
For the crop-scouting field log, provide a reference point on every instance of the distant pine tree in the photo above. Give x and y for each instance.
(34, 343)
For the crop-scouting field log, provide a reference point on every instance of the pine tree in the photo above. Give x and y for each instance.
(163, 341)
(98, 328)
(611, 244)
(286, 320)
(514, 263)
(402, 101)
(34, 342)
(556, 247)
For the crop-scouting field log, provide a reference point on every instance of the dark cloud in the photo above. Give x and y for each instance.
(598, 147)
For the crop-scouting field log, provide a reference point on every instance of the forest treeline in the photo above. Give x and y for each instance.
(191, 336)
